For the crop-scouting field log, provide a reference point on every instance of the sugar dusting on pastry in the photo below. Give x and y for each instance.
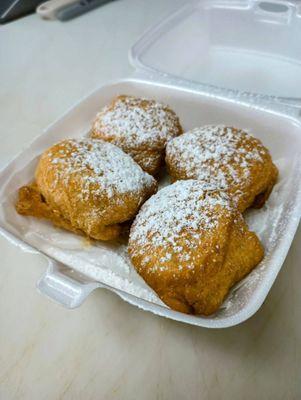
(103, 166)
(221, 147)
(191, 244)
(137, 121)
(184, 206)
(226, 157)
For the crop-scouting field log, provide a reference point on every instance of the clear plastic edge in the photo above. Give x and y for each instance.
(262, 102)
(154, 31)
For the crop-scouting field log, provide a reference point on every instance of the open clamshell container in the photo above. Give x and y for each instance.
(234, 62)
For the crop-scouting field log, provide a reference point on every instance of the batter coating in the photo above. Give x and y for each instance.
(191, 245)
(226, 157)
(141, 127)
(32, 203)
(88, 186)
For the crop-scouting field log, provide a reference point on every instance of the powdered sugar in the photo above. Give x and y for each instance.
(102, 166)
(184, 206)
(133, 122)
(218, 155)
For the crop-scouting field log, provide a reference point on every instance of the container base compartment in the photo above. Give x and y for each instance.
(107, 265)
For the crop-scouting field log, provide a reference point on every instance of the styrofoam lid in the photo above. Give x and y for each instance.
(247, 45)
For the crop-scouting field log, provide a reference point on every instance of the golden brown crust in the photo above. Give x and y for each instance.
(140, 127)
(262, 197)
(227, 158)
(191, 245)
(88, 186)
(31, 203)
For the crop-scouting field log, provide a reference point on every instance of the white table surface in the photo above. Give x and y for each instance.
(108, 349)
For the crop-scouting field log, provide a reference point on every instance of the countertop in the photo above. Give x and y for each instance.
(108, 349)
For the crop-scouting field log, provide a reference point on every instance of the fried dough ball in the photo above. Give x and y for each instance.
(227, 157)
(140, 127)
(191, 245)
(87, 185)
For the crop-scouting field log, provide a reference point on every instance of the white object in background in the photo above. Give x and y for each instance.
(251, 46)
(49, 9)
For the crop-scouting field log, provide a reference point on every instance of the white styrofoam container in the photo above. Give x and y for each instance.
(74, 270)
